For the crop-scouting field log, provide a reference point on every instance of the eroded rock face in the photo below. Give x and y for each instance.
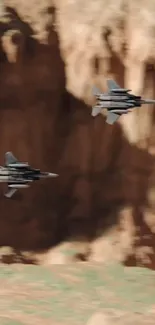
(117, 40)
(51, 55)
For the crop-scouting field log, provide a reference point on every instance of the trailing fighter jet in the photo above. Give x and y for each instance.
(19, 175)
(117, 100)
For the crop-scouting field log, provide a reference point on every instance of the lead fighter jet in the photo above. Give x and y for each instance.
(117, 100)
(19, 175)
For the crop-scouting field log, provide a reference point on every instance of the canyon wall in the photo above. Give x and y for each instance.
(51, 54)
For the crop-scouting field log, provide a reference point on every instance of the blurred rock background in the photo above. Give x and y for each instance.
(51, 54)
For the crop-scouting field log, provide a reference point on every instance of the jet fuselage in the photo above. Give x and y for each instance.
(19, 175)
(124, 101)
(117, 101)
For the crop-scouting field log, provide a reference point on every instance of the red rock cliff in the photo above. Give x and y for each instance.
(51, 54)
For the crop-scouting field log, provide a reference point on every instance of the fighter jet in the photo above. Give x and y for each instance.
(117, 100)
(19, 174)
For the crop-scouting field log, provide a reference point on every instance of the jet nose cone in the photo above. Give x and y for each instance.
(148, 101)
(52, 175)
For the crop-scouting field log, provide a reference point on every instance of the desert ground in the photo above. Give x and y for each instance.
(76, 294)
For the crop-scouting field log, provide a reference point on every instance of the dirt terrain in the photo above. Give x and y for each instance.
(105, 194)
(76, 295)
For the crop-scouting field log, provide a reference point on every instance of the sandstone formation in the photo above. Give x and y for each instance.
(51, 53)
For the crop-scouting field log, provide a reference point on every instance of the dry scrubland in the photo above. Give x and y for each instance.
(52, 52)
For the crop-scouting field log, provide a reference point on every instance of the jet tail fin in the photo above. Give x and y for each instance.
(96, 110)
(10, 192)
(112, 118)
(10, 158)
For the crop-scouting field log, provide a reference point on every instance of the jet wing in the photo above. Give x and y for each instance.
(96, 110)
(112, 85)
(10, 159)
(10, 192)
(112, 118)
